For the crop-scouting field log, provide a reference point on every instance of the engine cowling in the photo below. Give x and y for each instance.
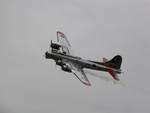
(66, 68)
(55, 46)
(48, 55)
(59, 62)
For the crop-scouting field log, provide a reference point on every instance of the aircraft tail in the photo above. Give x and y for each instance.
(114, 62)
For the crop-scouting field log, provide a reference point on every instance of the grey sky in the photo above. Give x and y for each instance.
(96, 29)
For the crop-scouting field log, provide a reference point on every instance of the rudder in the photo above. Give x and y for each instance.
(115, 62)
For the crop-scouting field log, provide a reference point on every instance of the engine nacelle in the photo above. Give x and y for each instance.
(59, 62)
(55, 46)
(66, 68)
(48, 55)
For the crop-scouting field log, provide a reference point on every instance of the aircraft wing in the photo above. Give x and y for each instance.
(79, 73)
(62, 39)
(76, 69)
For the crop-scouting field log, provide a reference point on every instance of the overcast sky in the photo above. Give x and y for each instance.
(96, 28)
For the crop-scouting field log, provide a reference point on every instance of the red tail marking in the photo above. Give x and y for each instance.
(113, 74)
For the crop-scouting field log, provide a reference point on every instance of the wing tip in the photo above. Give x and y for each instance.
(61, 33)
(87, 84)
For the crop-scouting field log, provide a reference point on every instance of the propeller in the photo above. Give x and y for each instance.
(49, 49)
(51, 42)
(43, 55)
(50, 45)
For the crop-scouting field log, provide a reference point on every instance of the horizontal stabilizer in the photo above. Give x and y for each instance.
(113, 74)
(82, 77)
(115, 63)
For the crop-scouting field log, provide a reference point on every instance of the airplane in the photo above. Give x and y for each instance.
(62, 54)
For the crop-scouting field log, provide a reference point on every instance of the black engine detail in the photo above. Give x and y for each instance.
(55, 46)
(49, 56)
(59, 62)
(66, 68)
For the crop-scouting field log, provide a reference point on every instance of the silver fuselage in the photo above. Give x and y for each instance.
(80, 62)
